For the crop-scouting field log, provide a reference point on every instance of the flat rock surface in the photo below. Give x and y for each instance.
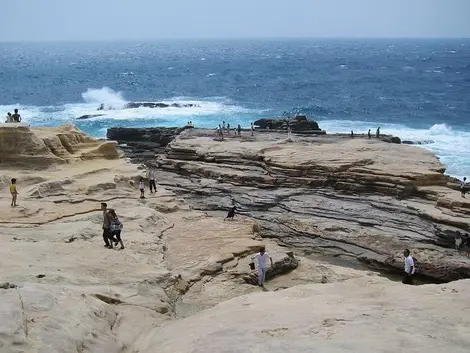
(359, 315)
(67, 293)
(356, 197)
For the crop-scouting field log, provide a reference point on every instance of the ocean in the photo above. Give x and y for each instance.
(416, 89)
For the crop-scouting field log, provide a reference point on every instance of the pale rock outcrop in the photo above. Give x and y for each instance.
(359, 315)
(38, 148)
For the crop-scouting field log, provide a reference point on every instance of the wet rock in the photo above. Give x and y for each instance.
(89, 116)
(159, 105)
(297, 124)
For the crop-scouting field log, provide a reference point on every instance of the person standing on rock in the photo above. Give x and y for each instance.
(263, 259)
(409, 267)
(369, 134)
(142, 188)
(377, 133)
(463, 187)
(239, 129)
(152, 178)
(252, 129)
(13, 192)
(106, 225)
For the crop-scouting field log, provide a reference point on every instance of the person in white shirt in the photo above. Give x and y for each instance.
(152, 177)
(263, 259)
(409, 267)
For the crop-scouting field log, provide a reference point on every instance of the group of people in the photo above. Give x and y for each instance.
(15, 118)
(227, 128)
(369, 133)
(112, 228)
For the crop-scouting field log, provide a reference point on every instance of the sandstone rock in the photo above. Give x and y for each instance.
(40, 148)
(359, 315)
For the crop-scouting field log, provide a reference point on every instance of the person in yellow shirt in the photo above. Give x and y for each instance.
(14, 192)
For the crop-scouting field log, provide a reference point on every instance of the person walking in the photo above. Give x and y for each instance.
(152, 178)
(142, 188)
(409, 267)
(115, 230)
(263, 259)
(106, 226)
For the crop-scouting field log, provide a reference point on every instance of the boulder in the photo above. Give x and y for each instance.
(298, 123)
(158, 105)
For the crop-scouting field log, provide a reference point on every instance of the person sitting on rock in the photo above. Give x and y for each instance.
(142, 188)
(263, 259)
(13, 192)
(409, 267)
(9, 118)
(115, 230)
(231, 213)
(16, 117)
(463, 187)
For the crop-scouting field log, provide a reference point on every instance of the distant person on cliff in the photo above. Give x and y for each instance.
(409, 267)
(115, 230)
(263, 259)
(16, 117)
(142, 188)
(369, 134)
(13, 192)
(9, 118)
(231, 213)
(377, 133)
(106, 225)
(239, 129)
(467, 246)
(463, 187)
(152, 178)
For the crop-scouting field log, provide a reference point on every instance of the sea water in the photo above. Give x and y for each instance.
(416, 89)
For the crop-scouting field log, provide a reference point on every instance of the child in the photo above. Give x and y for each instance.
(142, 188)
(14, 192)
(463, 187)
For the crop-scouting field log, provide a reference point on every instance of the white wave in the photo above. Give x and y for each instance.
(451, 146)
(106, 96)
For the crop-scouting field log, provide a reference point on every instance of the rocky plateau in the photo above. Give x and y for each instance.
(182, 284)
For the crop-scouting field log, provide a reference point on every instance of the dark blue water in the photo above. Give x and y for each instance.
(416, 88)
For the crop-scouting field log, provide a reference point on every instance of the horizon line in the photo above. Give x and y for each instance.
(234, 39)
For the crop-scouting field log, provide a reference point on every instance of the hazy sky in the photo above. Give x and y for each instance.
(43, 20)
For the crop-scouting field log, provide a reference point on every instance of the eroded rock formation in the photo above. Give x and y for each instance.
(22, 146)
